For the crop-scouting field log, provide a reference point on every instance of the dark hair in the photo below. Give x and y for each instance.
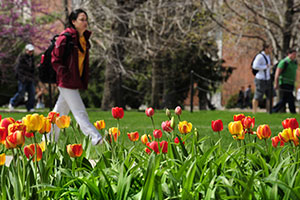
(74, 14)
(291, 51)
(265, 46)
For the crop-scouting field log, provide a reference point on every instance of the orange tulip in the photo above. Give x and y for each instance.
(144, 138)
(114, 132)
(74, 150)
(29, 151)
(99, 124)
(133, 136)
(52, 117)
(235, 128)
(2, 159)
(239, 136)
(46, 128)
(263, 132)
(238, 117)
(184, 127)
(63, 121)
(33, 122)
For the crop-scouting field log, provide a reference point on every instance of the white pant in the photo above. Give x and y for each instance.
(69, 99)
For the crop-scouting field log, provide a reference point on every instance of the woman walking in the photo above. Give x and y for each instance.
(72, 72)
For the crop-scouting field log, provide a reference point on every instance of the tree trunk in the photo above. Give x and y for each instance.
(155, 93)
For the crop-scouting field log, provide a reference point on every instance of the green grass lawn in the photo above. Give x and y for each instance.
(138, 121)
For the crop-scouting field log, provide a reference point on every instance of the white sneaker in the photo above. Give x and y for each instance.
(10, 107)
(31, 110)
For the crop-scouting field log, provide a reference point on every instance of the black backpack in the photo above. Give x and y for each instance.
(254, 71)
(46, 71)
(275, 68)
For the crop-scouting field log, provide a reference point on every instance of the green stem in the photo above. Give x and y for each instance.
(152, 123)
(266, 145)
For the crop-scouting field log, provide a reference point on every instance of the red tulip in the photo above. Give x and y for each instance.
(52, 117)
(29, 135)
(117, 113)
(149, 112)
(248, 122)
(133, 136)
(2, 135)
(290, 123)
(276, 140)
(164, 146)
(11, 141)
(178, 110)
(74, 150)
(5, 123)
(157, 133)
(154, 146)
(176, 141)
(147, 150)
(238, 117)
(29, 151)
(217, 125)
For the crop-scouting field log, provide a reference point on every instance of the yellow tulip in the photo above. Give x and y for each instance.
(46, 127)
(43, 146)
(33, 122)
(185, 127)
(235, 128)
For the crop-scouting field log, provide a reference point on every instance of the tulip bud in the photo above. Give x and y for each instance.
(172, 122)
(178, 110)
(168, 113)
(149, 112)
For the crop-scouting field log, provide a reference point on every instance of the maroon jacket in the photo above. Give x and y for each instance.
(67, 72)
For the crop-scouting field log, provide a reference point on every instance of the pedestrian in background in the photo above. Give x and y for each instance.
(25, 73)
(262, 81)
(285, 78)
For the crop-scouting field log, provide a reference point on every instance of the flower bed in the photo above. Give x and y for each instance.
(173, 162)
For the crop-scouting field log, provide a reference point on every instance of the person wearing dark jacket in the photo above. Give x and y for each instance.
(26, 79)
(72, 73)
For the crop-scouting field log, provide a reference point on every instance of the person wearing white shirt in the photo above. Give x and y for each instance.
(262, 63)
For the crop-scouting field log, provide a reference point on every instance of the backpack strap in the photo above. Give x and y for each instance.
(69, 44)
